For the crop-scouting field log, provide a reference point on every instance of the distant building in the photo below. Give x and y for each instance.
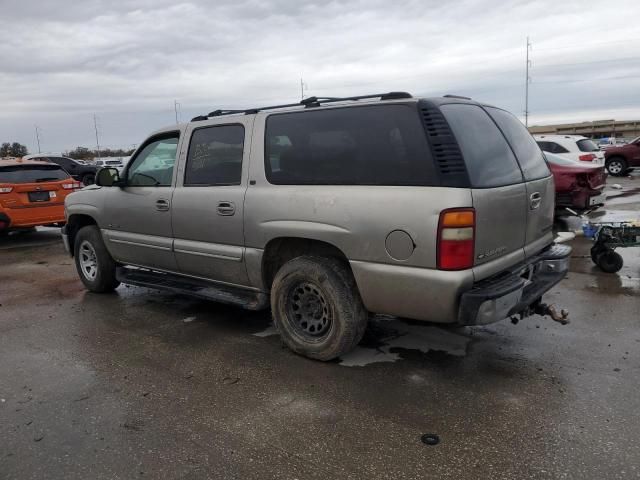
(597, 129)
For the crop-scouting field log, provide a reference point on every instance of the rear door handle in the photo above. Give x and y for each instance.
(226, 208)
(534, 200)
(162, 204)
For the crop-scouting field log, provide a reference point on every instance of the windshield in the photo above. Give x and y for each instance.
(32, 174)
(586, 145)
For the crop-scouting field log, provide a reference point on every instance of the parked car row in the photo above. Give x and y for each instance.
(618, 160)
(78, 169)
(32, 193)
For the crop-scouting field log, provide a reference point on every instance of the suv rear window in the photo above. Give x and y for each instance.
(489, 159)
(586, 145)
(32, 174)
(525, 147)
(369, 145)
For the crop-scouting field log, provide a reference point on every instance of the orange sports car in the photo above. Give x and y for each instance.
(32, 193)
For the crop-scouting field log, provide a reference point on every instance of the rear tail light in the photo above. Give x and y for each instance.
(71, 186)
(456, 239)
(6, 189)
(590, 157)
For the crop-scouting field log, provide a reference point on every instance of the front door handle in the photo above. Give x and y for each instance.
(226, 208)
(534, 200)
(162, 204)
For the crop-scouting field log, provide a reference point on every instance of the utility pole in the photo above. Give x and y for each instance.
(303, 87)
(176, 107)
(95, 126)
(37, 136)
(526, 88)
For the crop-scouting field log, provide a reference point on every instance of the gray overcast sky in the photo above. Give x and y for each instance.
(127, 61)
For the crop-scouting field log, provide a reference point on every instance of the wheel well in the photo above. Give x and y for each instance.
(280, 250)
(616, 157)
(74, 224)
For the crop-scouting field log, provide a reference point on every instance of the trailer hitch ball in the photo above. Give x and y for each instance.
(557, 316)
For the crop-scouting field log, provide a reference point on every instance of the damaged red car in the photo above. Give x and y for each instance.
(579, 186)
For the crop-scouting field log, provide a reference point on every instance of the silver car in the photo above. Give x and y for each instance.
(436, 209)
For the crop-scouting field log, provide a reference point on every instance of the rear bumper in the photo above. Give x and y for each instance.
(512, 292)
(33, 216)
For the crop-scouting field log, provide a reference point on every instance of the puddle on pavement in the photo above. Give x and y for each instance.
(387, 334)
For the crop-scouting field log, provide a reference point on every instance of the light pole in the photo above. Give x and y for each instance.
(37, 136)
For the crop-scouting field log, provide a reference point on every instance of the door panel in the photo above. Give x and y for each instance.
(209, 244)
(208, 206)
(138, 216)
(501, 222)
(540, 209)
(138, 230)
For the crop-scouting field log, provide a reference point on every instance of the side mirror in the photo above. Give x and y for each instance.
(108, 177)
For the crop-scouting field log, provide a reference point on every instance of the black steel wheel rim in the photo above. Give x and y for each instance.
(308, 311)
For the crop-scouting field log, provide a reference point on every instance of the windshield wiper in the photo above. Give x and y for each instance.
(45, 179)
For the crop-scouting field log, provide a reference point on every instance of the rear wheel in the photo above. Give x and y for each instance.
(317, 308)
(616, 166)
(89, 179)
(96, 268)
(609, 261)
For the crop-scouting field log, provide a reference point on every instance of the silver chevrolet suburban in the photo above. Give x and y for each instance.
(435, 209)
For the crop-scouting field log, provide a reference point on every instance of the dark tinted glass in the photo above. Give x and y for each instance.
(586, 145)
(32, 174)
(372, 145)
(557, 148)
(525, 147)
(215, 156)
(544, 146)
(490, 162)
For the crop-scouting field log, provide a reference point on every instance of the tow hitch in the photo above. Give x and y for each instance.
(543, 309)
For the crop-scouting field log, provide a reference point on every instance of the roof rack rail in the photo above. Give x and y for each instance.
(307, 103)
(457, 96)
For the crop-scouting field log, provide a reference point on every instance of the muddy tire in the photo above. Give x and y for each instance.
(609, 261)
(96, 268)
(617, 166)
(317, 308)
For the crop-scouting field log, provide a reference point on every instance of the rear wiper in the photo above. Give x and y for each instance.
(45, 179)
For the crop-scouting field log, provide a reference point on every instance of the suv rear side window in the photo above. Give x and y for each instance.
(586, 145)
(489, 159)
(215, 156)
(32, 174)
(525, 147)
(372, 145)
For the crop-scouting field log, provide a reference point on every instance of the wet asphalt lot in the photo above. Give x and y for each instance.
(145, 384)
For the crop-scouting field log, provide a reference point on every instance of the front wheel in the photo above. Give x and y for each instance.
(317, 308)
(616, 166)
(96, 268)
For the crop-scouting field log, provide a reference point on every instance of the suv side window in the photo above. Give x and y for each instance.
(557, 148)
(215, 156)
(369, 145)
(153, 166)
(489, 159)
(524, 146)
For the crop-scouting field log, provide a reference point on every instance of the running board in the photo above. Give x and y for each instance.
(247, 299)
